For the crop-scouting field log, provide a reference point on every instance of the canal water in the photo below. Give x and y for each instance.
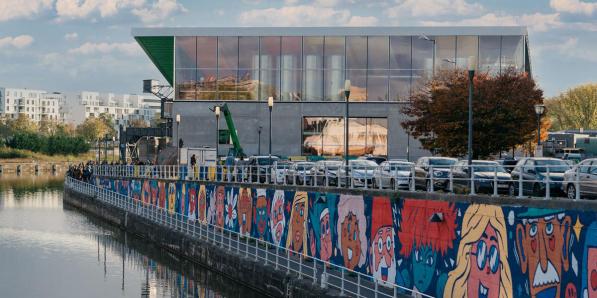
(50, 250)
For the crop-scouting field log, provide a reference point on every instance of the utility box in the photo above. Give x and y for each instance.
(205, 156)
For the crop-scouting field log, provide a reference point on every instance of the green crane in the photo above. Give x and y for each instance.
(237, 149)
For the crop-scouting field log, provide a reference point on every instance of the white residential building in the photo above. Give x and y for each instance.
(38, 105)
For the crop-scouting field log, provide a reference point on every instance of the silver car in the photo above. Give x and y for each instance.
(393, 175)
(587, 179)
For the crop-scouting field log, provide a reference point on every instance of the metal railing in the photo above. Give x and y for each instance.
(536, 181)
(319, 272)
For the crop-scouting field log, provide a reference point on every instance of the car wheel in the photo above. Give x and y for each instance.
(512, 190)
(571, 192)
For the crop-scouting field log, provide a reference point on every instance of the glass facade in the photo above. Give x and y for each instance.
(325, 136)
(314, 68)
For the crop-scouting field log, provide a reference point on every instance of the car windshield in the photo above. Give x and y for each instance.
(400, 167)
(363, 164)
(488, 167)
(282, 166)
(554, 165)
(332, 165)
(304, 166)
(441, 162)
(266, 161)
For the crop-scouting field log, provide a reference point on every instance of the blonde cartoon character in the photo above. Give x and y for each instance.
(296, 238)
(482, 268)
(351, 228)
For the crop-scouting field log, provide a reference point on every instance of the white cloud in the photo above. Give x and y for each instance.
(536, 22)
(359, 21)
(326, 3)
(90, 48)
(574, 6)
(303, 15)
(159, 11)
(18, 42)
(71, 36)
(78, 9)
(291, 2)
(15, 9)
(430, 8)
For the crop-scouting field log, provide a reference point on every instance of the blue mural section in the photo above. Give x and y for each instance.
(473, 250)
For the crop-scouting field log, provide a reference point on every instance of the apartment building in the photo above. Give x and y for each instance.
(38, 105)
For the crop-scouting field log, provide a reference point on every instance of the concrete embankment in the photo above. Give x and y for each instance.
(254, 274)
(10, 167)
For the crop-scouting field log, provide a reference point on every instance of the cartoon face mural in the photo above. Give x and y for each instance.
(180, 197)
(351, 229)
(219, 206)
(424, 243)
(146, 193)
(231, 214)
(296, 239)
(589, 270)
(482, 268)
(192, 201)
(245, 211)
(154, 192)
(542, 241)
(324, 211)
(261, 210)
(202, 204)
(171, 197)
(382, 259)
(162, 194)
(277, 217)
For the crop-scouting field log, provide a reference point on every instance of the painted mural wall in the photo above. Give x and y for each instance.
(476, 251)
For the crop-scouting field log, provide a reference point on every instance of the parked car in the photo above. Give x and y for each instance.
(587, 180)
(260, 167)
(377, 159)
(484, 174)
(300, 173)
(574, 157)
(534, 174)
(441, 170)
(508, 163)
(280, 169)
(327, 169)
(393, 174)
(241, 170)
(360, 173)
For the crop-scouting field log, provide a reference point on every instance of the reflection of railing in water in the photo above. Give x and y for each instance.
(324, 273)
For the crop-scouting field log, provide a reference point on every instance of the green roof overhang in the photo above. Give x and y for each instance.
(160, 50)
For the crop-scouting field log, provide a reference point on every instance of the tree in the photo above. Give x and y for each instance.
(138, 123)
(503, 113)
(93, 129)
(574, 109)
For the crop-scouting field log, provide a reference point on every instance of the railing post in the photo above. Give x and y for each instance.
(431, 183)
(520, 191)
(495, 181)
(577, 183)
(300, 266)
(547, 186)
(472, 178)
(342, 283)
(411, 185)
(451, 180)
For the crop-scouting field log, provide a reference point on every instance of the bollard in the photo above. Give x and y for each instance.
(18, 169)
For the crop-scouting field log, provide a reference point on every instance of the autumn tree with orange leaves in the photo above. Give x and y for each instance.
(503, 113)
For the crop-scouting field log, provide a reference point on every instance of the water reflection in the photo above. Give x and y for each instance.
(51, 250)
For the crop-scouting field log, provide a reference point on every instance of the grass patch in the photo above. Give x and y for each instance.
(20, 155)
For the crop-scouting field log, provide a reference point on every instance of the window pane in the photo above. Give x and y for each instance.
(313, 82)
(186, 48)
(292, 52)
(400, 52)
(270, 84)
(422, 55)
(248, 84)
(291, 74)
(377, 85)
(313, 52)
(312, 136)
(334, 84)
(400, 85)
(378, 52)
(377, 136)
(206, 84)
(512, 53)
(445, 52)
(356, 52)
(334, 52)
(186, 83)
(248, 52)
(466, 47)
(489, 54)
(270, 52)
(207, 52)
(227, 84)
(358, 84)
(228, 52)
(323, 136)
(290, 89)
(357, 136)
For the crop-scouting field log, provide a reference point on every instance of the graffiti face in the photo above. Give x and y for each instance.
(277, 217)
(202, 203)
(162, 187)
(298, 226)
(424, 261)
(220, 195)
(351, 245)
(542, 246)
(231, 215)
(154, 193)
(484, 278)
(171, 197)
(325, 239)
(245, 210)
(192, 191)
(261, 215)
(382, 251)
(591, 272)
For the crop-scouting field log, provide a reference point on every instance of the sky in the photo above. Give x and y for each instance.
(74, 45)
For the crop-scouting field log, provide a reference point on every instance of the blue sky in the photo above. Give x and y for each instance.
(72, 45)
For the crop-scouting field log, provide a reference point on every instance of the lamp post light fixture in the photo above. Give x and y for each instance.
(178, 137)
(539, 111)
(471, 75)
(270, 105)
(217, 112)
(347, 95)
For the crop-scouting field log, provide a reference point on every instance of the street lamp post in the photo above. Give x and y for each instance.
(347, 95)
(471, 76)
(178, 137)
(539, 110)
(270, 105)
(217, 111)
(113, 150)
